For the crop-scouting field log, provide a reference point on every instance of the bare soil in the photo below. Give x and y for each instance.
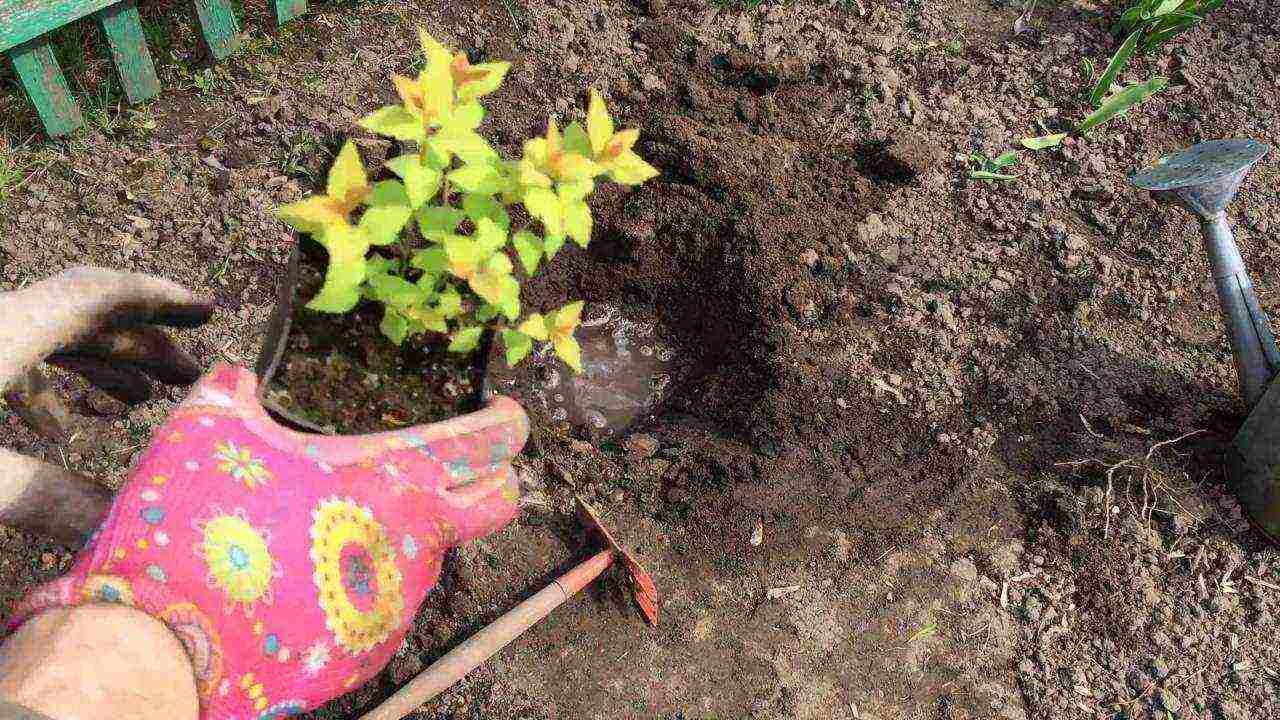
(942, 448)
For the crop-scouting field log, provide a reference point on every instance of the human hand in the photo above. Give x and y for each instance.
(100, 324)
(289, 565)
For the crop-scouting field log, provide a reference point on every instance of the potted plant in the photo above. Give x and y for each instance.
(444, 242)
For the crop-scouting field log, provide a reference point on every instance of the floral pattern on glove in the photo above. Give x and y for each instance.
(289, 565)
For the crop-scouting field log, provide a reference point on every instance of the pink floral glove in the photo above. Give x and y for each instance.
(290, 565)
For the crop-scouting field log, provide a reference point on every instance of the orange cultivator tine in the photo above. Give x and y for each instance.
(643, 589)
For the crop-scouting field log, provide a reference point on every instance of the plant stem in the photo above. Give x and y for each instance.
(482, 367)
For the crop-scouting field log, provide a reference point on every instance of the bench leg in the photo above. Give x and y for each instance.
(286, 10)
(123, 29)
(217, 27)
(45, 85)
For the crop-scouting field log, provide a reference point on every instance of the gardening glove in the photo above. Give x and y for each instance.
(290, 565)
(99, 323)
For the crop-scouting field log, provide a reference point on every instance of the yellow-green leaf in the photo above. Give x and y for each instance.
(544, 205)
(450, 302)
(569, 351)
(437, 55)
(464, 340)
(518, 345)
(436, 222)
(468, 145)
(478, 178)
(631, 169)
(552, 244)
(387, 213)
(576, 140)
(465, 255)
(495, 72)
(394, 325)
(489, 237)
(1044, 141)
(312, 215)
(535, 326)
(347, 174)
(480, 205)
(599, 124)
(564, 320)
(420, 180)
(577, 222)
(529, 249)
(394, 121)
(432, 260)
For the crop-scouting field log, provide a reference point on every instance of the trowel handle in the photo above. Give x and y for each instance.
(1252, 343)
(455, 664)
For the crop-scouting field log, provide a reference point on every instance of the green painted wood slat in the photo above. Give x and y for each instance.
(218, 27)
(45, 86)
(286, 10)
(23, 20)
(129, 51)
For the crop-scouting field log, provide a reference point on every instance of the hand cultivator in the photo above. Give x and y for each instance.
(1203, 179)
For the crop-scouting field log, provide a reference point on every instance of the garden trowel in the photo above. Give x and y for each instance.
(1203, 179)
(274, 340)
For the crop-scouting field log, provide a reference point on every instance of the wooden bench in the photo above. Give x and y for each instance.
(25, 26)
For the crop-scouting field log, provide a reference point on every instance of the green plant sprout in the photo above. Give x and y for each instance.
(445, 220)
(989, 169)
(1148, 24)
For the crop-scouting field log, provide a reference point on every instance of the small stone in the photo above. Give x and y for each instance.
(809, 257)
(653, 84)
(757, 534)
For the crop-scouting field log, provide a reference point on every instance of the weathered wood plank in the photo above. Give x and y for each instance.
(286, 10)
(23, 20)
(45, 86)
(218, 27)
(123, 29)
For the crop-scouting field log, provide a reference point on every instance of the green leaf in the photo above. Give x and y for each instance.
(1006, 159)
(487, 312)
(518, 345)
(1121, 102)
(387, 213)
(479, 205)
(544, 205)
(529, 249)
(432, 260)
(1114, 68)
(450, 302)
(468, 145)
(576, 140)
(394, 325)
(420, 181)
(394, 290)
(478, 178)
(552, 244)
(577, 222)
(1044, 141)
(489, 237)
(394, 121)
(465, 340)
(345, 273)
(435, 222)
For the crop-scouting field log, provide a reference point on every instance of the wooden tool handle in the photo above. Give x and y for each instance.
(485, 644)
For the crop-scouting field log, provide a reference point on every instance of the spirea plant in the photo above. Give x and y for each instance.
(434, 244)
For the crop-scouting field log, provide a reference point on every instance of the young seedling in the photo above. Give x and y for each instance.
(1146, 25)
(988, 169)
(434, 245)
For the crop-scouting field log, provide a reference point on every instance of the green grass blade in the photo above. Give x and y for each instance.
(1114, 68)
(1121, 102)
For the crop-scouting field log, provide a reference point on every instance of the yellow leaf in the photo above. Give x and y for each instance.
(438, 56)
(565, 320)
(630, 169)
(569, 351)
(599, 124)
(346, 177)
(312, 215)
(535, 326)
